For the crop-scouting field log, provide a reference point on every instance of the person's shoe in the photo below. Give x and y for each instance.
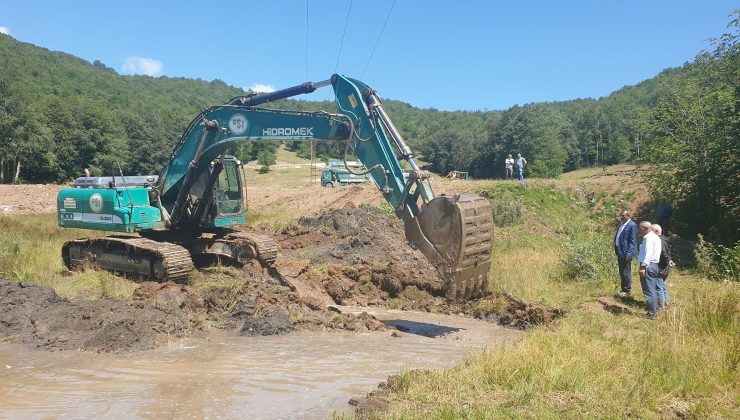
(623, 295)
(650, 315)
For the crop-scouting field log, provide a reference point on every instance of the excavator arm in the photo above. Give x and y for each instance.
(453, 232)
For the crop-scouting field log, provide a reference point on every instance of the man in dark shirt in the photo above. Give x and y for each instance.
(664, 211)
(625, 246)
(665, 264)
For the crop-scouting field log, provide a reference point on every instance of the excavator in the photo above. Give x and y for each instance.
(166, 224)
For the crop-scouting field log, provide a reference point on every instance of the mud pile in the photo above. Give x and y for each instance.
(254, 302)
(352, 257)
(253, 305)
(36, 316)
(359, 256)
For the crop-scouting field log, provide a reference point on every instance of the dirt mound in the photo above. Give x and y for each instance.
(360, 257)
(244, 300)
(354, 257)
(38, 317)
(250, 300)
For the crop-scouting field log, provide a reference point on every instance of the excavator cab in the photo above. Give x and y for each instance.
(228, 190)
(220, 193)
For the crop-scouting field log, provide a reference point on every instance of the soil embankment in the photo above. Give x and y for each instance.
(354, 257)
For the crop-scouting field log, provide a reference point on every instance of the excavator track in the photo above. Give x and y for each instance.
(238, 247)
(160, 261)
(456, 234)
(266, 248)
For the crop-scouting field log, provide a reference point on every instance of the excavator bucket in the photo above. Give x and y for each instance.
(455, 233)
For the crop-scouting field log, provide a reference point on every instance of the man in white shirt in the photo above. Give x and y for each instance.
(649, 272)
(509, 167)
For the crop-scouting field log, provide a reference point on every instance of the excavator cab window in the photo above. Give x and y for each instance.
(228, 190)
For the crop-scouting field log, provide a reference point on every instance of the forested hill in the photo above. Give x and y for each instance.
(61, 113)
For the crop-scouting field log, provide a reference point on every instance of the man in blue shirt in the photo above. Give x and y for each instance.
(625, 246)
(520, 164)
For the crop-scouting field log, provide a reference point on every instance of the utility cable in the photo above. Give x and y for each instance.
(378, 40)
(343, 34)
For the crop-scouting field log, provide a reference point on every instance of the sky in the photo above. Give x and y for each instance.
(448, 55)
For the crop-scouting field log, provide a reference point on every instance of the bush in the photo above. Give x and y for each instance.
(589, 259)
(717, 262)
(265, 158)
(505, 212)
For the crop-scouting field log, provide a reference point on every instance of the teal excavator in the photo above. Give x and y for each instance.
(189, 212)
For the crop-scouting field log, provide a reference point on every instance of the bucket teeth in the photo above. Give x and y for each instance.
(456, 234)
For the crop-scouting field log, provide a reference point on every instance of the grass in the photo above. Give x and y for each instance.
(590, 363)
(599, 365)
(30, 250)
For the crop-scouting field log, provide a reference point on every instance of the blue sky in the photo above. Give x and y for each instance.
(471, 55)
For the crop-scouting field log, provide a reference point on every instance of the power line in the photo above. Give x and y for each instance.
(378, 40)
(343, 33)
(306, 79)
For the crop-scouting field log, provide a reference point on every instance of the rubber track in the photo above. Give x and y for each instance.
(175, 258)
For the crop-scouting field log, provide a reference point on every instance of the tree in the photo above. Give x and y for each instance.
(695, 148)
(265, 158)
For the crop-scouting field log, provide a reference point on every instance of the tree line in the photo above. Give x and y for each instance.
(60, 114)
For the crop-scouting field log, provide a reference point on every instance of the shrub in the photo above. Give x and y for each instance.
(717, 262)
(588, 259)
(265, 158)
(505, 212)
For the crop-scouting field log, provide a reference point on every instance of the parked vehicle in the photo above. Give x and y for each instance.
(334, 177)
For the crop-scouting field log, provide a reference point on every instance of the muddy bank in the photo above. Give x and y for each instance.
(37, 317)
(360, 257)
(376, 402)
(352, 257)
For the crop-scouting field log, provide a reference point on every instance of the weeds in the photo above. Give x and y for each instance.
(387, 209)
(505, 212)
(717, 262)
(30, 247)
(588, 259)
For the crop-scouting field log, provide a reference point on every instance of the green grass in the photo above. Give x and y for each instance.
(590, 363)
(594, 364)
(30, 250)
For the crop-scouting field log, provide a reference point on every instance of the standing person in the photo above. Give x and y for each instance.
(649, 276)
(520, 164)
(665, 264)
(664, 211)
(509, 165)
(625, 246)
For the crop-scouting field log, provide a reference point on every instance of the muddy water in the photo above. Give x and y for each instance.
(301, 375)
